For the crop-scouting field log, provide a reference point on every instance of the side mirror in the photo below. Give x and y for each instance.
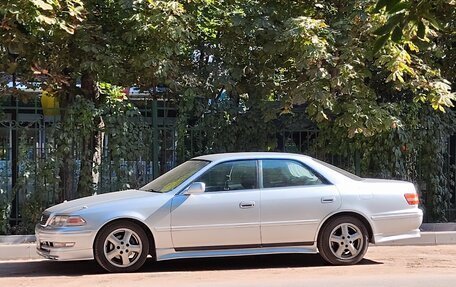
(195, 188)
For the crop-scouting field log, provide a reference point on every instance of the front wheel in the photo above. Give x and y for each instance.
(343, 241)
(121, 246)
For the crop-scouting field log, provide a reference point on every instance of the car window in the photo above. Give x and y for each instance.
(234, 175)
(175, 177)
(339, 170)
(282, 173)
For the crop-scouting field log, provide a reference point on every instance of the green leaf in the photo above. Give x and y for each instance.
(397, 34)
(380, 5)
(389, 25)
(385, 29)
(421, 33)
(391, 4)
(45, 19)
(67, 28)
(434, 22)
(399, 7)
(380, 42)
(42, 5)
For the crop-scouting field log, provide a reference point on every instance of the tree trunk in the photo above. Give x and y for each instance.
(92, 142)
(66, 171)
(97, 151)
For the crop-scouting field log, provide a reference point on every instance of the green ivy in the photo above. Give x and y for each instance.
(39, 183)
(413, 150)
(127, 135)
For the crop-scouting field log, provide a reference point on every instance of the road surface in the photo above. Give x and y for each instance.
(400, 266)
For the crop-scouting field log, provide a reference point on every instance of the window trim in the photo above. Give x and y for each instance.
(324, 180)
(257, 183)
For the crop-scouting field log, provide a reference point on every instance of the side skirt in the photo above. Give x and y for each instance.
(245, 246)
(226, 251)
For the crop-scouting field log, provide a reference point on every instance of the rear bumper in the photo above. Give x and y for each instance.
(81, 242)
(412, 234)
(397, 226)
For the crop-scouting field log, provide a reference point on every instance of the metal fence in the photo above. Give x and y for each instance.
(28, 167)
(303, 141)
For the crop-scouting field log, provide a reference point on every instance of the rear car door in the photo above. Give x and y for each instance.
(294, 200)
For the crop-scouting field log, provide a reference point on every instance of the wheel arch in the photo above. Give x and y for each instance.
(354, 214)
(150, 236)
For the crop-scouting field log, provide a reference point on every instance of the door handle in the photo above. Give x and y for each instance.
(247, 204)
(327, 199)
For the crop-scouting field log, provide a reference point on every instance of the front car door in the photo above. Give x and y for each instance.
(294, 200)
(226, 215)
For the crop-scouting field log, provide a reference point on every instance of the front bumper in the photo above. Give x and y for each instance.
(81, 241)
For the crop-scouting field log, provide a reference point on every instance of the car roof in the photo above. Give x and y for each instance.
(249, 155)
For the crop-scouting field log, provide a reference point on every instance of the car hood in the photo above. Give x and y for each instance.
(100, 199)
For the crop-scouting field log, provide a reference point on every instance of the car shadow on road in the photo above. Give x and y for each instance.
(77, 268)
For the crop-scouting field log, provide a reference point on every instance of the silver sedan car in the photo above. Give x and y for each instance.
(233, 204)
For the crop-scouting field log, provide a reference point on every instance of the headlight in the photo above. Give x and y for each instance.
(67, 220)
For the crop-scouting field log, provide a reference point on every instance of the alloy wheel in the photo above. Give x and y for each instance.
(346, 241)
(123, 247)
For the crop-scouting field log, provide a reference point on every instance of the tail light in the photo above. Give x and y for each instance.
(412, 198)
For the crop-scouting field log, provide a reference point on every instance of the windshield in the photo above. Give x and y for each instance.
(175, 177)
(339, 170)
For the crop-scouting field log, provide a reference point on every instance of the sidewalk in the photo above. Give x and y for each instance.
(18, 251)
(23, 247)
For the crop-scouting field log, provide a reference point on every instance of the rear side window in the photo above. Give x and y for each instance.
(283, 173)
(234, 175)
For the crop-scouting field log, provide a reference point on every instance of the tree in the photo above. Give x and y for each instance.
(360, 79)
(321, 54)
(71, 46)
(364, 72)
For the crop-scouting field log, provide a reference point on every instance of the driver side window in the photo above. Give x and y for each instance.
(234, 175)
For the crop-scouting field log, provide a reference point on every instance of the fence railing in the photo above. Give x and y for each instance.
(31, 171)
(32, 165)
(303, 141)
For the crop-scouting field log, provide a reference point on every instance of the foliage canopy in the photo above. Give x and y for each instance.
(374, 76)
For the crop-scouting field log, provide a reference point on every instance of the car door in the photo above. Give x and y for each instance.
(226, 215)
(294, 200)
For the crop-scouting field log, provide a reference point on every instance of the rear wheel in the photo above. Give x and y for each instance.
(343, 241)
(121, 246)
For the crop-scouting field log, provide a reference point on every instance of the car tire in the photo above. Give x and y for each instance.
(121, 246)
(343, 241)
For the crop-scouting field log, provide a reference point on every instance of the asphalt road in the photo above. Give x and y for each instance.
(400, 266)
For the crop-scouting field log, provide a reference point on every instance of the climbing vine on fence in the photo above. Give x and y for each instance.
(40, 181)
(415, 150)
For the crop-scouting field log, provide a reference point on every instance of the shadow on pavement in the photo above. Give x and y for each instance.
(78, 268)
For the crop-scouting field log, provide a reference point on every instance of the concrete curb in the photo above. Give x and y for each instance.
(438, 227)
(427, 238)
(23, 251)
(17, 239)
(27, 251)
